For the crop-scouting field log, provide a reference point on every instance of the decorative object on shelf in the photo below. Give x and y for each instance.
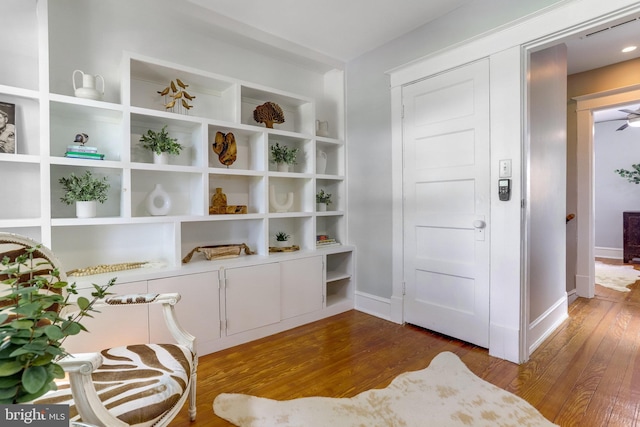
(321, 162)
(282, 239)
(160, 143)
(32, 346)
(219, 252)
(322, 128)
(78, 150)
(322, 200)
(7, 128)
(276, 204)
(85, 188)
(178, 98)
(324, 240)
(89, 88)
(268, 113)
(81, 138)
(158, 201)
(106, 268)
(292, 248)
(219, 205)
(283, 156)
(226, 148)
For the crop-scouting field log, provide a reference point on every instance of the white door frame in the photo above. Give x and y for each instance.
(586, 105)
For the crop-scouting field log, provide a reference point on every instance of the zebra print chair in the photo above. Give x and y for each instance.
(137, 385)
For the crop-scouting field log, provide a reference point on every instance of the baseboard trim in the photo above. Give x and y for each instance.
(542, 327)
(373, 305)
(613, 253)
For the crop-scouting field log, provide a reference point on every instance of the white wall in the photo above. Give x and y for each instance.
(91, 36)
(613, 194)
(369, 128)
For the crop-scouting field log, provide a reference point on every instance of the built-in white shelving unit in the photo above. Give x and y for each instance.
(124, 231)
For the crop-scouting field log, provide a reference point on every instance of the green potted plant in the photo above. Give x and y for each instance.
(84, 190)
(283, 156)
(160, 144)
(322, 200)
(31, 333)
(631, 176)
(282, 239)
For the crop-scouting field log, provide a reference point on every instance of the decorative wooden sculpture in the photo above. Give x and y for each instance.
(219, 205)
(175, 95)
(268, 113)
(226, 148)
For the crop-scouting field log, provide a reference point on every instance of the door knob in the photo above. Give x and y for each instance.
(478, 223)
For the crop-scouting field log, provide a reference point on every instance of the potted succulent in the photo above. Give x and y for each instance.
(161, 145)
(322, 200)
(31, 335)
(283, 156)
(84, 191)
(282, 239)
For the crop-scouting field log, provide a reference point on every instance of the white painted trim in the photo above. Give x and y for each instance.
(613, 253)
(397, 208)
(502, 339)
(585, 106)
(541, 328)
(373, 305)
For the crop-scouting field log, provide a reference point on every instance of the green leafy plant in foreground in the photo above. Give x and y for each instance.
(32, 330)
(281, 236)
(283, 154)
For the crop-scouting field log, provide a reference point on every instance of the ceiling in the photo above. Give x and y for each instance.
(339, 29)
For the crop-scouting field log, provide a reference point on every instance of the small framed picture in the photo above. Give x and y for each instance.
(7, 128)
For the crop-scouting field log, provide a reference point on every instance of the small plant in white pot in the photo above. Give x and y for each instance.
(161, 144)
(84, 190)
(283, 156)
(322, 200)
(282, 239)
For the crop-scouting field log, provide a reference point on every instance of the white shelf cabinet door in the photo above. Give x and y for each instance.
(301, 286)
(114, 326)
(252, 297)
(198, 310)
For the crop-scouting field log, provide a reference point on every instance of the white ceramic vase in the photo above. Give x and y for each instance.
(282, 243)
(158, 201)
(160, 159)
(283, 167)
(321, 162)
(90, 86)
(321, 207)
(86, 209)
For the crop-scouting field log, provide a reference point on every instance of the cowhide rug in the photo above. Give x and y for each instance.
(446, 393)
(616, 277)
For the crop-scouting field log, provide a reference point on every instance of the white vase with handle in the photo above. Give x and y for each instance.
(90, 86)
(158, 201)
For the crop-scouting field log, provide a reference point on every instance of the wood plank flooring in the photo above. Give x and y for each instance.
(586, 374)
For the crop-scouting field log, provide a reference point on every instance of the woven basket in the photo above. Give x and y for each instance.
(219, 252)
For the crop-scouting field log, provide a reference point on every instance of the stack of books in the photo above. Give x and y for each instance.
(79, 151)
(323, 240)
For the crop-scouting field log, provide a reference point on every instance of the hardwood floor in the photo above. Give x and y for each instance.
(586, 374)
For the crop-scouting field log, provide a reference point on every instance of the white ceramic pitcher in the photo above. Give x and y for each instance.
(89, 88)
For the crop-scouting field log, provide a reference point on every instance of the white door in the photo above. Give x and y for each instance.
(446, 206)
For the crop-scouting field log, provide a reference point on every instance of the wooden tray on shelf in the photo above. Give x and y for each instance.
(284, 249)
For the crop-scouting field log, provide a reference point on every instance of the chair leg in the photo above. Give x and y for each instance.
(192, 397)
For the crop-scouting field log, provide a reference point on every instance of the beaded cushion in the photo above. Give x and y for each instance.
(161, 374)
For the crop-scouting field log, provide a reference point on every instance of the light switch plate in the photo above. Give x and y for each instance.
(505, 168)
